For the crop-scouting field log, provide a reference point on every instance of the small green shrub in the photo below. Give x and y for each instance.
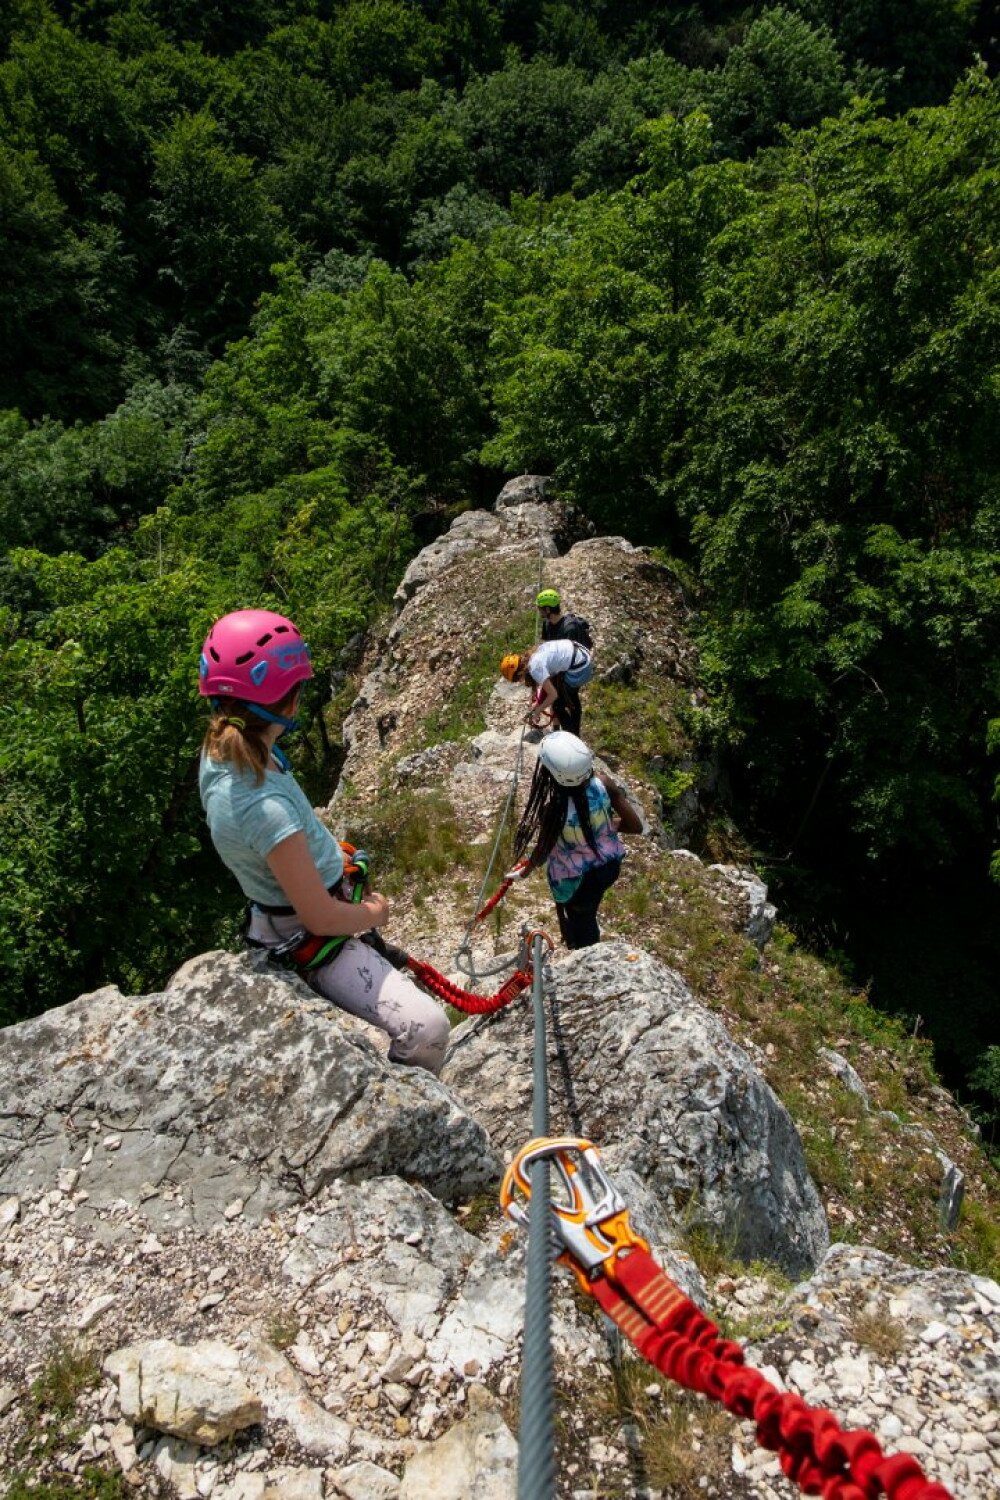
(637, 722)
(461, 715)
(91, 1484)
(976, 1246)
(70, 1370)
(672, 785)
(283, 1328)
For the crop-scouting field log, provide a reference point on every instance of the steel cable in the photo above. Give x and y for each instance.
(536, 1434)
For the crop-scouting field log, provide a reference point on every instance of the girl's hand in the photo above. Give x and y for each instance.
(294, 868)
(376, 908)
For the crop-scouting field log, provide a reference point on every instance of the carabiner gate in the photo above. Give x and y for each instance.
(591, 1224)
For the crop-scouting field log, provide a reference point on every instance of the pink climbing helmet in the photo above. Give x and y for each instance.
(254, 655)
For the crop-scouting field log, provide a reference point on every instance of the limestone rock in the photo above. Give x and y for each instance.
(431, 1278)
(522, 512)
(911, 1354)
(9, 1210)
(94, 1310)
(283, 1396)
(174, 1461)
(475, 1460)
(952, 1194)
(195, 1391)
(366, 1481)
(637, 1065)
(525, 489)
(234, 1085)
(760, 913)
(430, 765)
(294, 1484)
(841, 1068)
(242, 1487)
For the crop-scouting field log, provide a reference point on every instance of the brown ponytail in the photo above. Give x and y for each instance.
(235, 734)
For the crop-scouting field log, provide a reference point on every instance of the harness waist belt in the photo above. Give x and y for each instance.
(286, 911)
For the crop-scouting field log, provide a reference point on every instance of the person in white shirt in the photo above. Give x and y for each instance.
(559, 669)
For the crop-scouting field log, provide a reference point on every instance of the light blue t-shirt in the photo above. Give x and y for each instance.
(248, 819)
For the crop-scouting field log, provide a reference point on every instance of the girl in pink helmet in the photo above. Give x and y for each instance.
(287, 862)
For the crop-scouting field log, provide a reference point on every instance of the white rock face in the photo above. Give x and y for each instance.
(366, 1481)
(236, 1088)
(929, 1383)
(849, 1076)
(9, 1210)
(524, 489)
(655, 1078)
(195, 1392)
(283, 1396)
(521, 513)
(475, 1460)
(437, 1283)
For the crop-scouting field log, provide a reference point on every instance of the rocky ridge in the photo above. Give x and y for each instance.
(275, 1262)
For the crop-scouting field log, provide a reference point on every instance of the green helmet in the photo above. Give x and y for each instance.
(548, 599)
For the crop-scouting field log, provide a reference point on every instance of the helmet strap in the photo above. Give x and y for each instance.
(289, 725)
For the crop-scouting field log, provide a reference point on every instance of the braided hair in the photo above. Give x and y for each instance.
(545, 815)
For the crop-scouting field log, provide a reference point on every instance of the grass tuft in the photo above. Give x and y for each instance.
(416, 840)
(69, 1372)
(875, 1329)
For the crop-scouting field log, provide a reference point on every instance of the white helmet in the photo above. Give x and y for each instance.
(569, 760)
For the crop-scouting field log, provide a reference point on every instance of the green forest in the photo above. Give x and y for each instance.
(285, 284)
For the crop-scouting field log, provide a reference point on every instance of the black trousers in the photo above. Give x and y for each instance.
(567, 707)
(578, 916)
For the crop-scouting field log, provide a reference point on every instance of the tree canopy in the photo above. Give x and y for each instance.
(286, 283)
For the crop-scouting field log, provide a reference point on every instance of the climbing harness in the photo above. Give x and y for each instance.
(307, 951)
(590, 1225)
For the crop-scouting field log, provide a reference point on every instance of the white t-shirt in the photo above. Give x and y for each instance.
(555, 656)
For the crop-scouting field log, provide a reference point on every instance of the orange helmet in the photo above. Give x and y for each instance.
(510, 666)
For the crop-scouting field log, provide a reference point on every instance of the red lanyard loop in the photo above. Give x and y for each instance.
(614, 1264)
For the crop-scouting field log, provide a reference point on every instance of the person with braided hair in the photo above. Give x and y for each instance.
(571, 824)
(287, 862)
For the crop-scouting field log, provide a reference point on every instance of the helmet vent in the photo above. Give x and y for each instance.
(214, 654)
(265, 638)
(247, 656)
(281, 629)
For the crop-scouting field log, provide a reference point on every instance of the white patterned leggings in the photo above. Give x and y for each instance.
(365, 984)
